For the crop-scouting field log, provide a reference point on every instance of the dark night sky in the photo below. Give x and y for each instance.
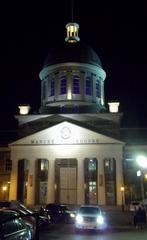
(117, 32)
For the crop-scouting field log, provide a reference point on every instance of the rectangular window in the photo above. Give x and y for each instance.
(76, 84)
(98, 90)
(52, 87)
(8, 165)
(63, 85)
(110, 180)
(92, 165)
(88, 86)
(90, 171)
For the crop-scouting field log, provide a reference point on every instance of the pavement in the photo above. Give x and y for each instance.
(118, 217)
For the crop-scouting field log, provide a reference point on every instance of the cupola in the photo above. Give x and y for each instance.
(72, 32)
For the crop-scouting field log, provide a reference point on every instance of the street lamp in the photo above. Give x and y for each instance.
(122, 194)
(142, 162)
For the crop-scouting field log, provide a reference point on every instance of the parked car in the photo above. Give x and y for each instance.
(59, 213)
(13, 227)
(28, 215)
(134, 205)
(90, 217)
(28, 218)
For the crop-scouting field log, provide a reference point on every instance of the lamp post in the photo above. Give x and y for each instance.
(142, 162)
(122, 195)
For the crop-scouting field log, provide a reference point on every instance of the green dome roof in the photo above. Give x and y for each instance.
(72, 52)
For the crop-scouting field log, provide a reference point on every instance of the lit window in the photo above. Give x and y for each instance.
(52, 87)
(76, 84)
(92, 165)
(109, 165)
(88, 86)
(63, 85)
(98, 90)
(44, 164)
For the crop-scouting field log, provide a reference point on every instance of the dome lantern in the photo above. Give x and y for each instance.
(72, 33)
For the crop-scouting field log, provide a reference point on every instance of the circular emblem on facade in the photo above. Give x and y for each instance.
(65, 132)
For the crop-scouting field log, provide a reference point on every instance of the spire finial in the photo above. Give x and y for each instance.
(72, 10)
(72, 29)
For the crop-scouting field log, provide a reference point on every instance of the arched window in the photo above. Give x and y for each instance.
(63, 84)
(88, 86)
(52, 87)
(76, 84)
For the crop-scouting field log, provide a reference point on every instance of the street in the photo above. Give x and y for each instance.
(119, 227)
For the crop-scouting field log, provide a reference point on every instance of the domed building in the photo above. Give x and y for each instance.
(72, 78)
(71, 152)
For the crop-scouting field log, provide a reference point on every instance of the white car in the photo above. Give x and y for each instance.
(90, 217)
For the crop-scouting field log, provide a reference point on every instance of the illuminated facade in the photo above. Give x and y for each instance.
(71, 152)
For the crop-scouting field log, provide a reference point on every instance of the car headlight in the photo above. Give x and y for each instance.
(100, 219)
(79, 219)
(72, 215)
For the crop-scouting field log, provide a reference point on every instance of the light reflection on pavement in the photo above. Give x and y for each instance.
(67, 232)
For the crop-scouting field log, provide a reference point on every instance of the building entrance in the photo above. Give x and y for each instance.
(66, 181)
(68, 185)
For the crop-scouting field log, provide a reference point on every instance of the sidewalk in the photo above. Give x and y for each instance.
(116, 218)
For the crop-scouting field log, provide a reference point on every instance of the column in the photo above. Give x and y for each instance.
(80, 182)
(101, 186)
(31, 183)
(13, 180)
(119, 179)
(51, 182)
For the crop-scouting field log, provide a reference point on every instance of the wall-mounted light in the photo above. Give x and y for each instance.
(113, 107)
(24, 109)
(4, 188)
(122, 189)
(69, 95)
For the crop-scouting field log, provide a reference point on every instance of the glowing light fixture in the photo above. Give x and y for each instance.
(138, 173)
(4, 188)
(69, 95)
(113, 107)
(24, 109)
(72, 32)
(142, 161)
(122, 189)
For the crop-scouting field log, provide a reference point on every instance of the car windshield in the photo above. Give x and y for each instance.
(63, 208)
(89, 210)
(135, 203)
(4, 215)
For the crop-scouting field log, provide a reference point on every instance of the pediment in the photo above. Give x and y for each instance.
(66, 133)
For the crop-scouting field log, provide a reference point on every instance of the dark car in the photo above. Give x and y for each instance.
(13, 227)
(59, 213)
(27, 214)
